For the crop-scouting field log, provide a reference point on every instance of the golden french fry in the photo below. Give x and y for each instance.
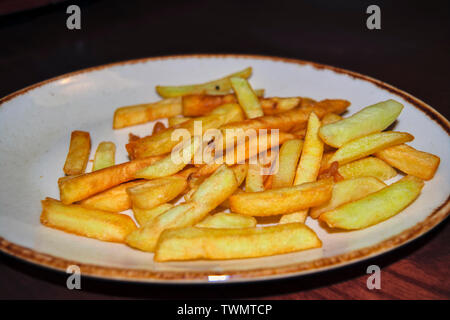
(254, 181)
(201, 243)
(86, 222)
(365, 146)
(155, 192)
(367, 167)
(330, 118)
(299, 217)
(80, 187)
(227, 220)
(78, 155)
(276, 105)
(376, 207)
(247, 98)
(104, 156)
(288, 159)
(372, 119)
(144, 216)
(210, 194)
(411, 161)
(163, 142)
(222, 85)
(282, 200)
(115, 199)
(347, 191)
(142, 113)
(173, 121)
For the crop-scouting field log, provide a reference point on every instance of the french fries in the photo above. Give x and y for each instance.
(104, 156)
(142, 113)
(367, 145)
(247, 98)
(155, 192)
(78, 155)
(173, 121)
(227, 220)
(282, 200)
(115, 199)
(411, 161)
(86, 222)
(372, 119)
(254, 181)
(288, 159)
(201, 243)
(367, 167)
(376, 207)
(144, 216)
(222, 85)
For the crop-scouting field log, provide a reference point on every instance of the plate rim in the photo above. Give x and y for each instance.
(438, 215)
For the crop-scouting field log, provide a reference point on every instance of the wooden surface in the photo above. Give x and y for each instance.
(410, 52)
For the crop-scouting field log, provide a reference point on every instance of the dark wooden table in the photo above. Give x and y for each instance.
(410, 51)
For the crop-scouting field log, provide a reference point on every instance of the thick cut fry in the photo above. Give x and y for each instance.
(83, 186)
(299, 216)
(200, 243)
(222, 85)
(282, 200)
(104, 156)
(346, 191)
(330, 118)
(144, 216)
(115, 199)
(142, 113)
(172, 163)
(85, 222)
(173, 121)
(411, 161)
(372, 119)
(276, 105)
(247, 98)
(288, 159)
(254, 181)
(211, 193)
(227, 220)
(163, 142)
(155, 192)
(367, 167)
(365, 146)
(78, 155)
(376, 207)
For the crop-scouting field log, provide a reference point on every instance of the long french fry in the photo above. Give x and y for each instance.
(80, 187)
(411, 161)
(85, 222)
(227, 220)
(254, 181)
(247, 98)
(367, 167)
(201, 243)
(78, 155)
(142, 113)
(288, 159)
(375, 207)
(222, 85)
(144, 216)
(115, 199)
(104, 156)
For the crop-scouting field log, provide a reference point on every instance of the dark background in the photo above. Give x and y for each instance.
(411, 52)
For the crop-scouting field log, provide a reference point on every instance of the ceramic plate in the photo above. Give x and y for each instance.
(35, 126)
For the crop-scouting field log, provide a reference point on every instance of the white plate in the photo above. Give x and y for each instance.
(35, 126)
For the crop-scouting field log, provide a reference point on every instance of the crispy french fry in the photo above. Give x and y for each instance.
(254, 181)
(367, 167)
(282, 200)
(78, 155)
(299, 216)
(276, 105)
(157, 127)
(104, 156)
(85, 185)
(115, 199)
(227, 220)
(210, 194)
(365, 146)
(330, 118)
(144, 216)
(222, 85)
(163, 142)
(142, 113)
(201, 243)
(288, 159)
(347, 191)
(411, 161)
(155, 192)
(247, 98)
(85, 222)
(173, 121)
(376, 207)
(372, 119)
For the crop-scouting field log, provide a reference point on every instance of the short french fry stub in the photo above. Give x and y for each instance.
(78, 155)
(104, 156)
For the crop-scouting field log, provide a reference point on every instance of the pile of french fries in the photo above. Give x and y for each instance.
(326, 167)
